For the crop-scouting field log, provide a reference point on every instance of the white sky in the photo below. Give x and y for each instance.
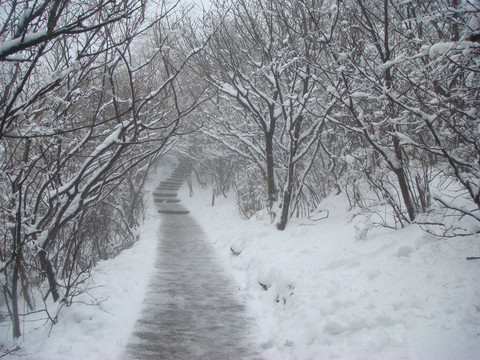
(199, 4)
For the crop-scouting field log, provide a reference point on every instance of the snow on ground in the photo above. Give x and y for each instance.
(314, 291)
(98, 332)
(92, 332)
(396, 295)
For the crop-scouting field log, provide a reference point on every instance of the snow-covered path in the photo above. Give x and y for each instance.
(190, 310)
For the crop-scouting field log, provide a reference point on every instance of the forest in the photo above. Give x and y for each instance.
(276, 103)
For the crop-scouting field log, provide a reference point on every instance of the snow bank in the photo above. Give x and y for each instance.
(316, 293)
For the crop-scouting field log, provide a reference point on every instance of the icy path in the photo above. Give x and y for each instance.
(190, 311)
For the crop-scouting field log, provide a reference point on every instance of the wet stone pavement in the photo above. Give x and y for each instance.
(190, 310)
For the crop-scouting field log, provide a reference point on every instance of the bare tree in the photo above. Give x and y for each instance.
(91, 99)
(262, 62)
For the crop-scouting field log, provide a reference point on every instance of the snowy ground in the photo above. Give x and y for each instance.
(92, 332)
(396, 295)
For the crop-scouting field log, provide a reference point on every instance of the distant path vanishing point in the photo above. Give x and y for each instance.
(190, 311)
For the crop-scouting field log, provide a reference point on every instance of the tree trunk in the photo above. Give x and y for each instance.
(17, 248)
(14, 296)
(402, 181)
(50, 274)
(287, 198)
(272, 191)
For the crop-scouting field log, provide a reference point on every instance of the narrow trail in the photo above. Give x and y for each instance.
(190, 310)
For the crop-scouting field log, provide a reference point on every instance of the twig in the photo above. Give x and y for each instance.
(9, 352)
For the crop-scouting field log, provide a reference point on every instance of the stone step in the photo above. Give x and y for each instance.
(167, 191)
(168, 187)
(169, 201)
(179, 171)
(174, 212)
(171, 182)
(178, 176)
(163, 194)
(163, 199)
